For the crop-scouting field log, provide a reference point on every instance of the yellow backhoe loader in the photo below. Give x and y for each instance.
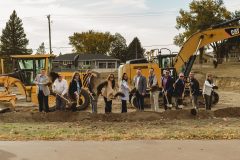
(25, 69)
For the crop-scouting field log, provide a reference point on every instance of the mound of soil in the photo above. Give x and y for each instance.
(59, 116)
(186, 114)
(227, 82)
(228, 112)
(113, 117)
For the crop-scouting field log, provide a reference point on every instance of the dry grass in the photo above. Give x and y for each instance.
(220, 128)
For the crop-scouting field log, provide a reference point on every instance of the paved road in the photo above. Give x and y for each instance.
(121, 150)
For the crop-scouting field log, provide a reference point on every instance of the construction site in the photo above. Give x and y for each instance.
(172, 92)
(24, 122)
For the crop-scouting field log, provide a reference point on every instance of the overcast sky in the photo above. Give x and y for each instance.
(152, 21)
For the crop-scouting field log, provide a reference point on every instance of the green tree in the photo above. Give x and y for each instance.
(135, 50)
(13, 39)
(91, 42)
(234, 42)
(41, 49)
(119, 47)
(201, 16)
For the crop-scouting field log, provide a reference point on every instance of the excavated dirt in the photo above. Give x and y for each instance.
(59, 116)
(228, 112)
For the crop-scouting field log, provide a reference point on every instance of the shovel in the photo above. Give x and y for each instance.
(68, 102)
(194, 110)
(168, 104)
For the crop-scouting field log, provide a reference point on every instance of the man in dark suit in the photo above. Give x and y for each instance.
(140, 84)
(167, 84)
(91, 89)
(194, 84)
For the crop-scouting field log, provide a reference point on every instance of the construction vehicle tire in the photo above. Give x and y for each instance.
(84, 100)
(215, 98)
(134, 101)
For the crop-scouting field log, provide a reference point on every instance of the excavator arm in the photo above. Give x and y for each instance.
(187, 54)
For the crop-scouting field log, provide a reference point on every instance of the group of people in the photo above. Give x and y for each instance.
(170, 90)
(60, 88)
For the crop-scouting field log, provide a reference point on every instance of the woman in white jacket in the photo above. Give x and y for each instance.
(124, 88)
(207, 91)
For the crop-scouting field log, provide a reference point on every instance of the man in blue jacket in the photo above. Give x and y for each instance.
(178, 92)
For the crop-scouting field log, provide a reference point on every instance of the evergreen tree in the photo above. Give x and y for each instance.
(41, 49)
(135, 50)
(13, 39)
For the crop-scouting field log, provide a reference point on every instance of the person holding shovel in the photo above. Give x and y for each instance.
(75, 87)
(167, 84)
(125, 89)
(207, 91)
(60, 87)
(140, 83)
(178, 92)
(92, 93)
(154, 90)
(194, 88)
(42, 91)
(108, 93)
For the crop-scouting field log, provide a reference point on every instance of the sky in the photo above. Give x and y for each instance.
(152, 21)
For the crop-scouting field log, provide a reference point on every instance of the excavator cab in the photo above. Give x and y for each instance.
(165, 62)
(27, 67)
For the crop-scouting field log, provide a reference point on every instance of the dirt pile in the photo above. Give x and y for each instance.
(58, 116)
(227, 82)
(228, 112)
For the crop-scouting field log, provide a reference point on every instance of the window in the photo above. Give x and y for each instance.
(67, 62)
(26, 64)
(86, 62)
(40, 63)
(111, 65)
(166, 62)
(102, 65)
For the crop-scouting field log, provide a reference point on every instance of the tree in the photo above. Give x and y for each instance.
(91, 42)
(41, 49)
(135, 50)
(201, 16)
(13, 39)
(118, 48)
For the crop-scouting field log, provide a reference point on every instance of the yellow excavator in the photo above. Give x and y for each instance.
(25, 69)
(184, 60)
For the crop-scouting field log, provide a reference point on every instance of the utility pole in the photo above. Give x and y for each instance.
(49, 29)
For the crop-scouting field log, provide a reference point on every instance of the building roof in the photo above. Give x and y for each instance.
(83, 57)
(34, 56)
(65, 57)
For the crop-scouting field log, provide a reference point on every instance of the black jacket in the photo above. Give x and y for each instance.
(73, 87)
(169, 85)
(194, 87)
(179, 88)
